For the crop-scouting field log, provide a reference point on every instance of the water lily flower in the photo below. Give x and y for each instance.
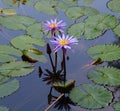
(64, 42)
(53, 26)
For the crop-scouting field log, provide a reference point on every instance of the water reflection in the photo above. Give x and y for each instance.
(64, 103)
(58, 82)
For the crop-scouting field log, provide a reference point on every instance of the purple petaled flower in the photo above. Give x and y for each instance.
(64, 42)
(53, 26)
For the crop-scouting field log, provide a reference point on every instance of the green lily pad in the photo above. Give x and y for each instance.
(96, 25)
(46, 6)
(6, 53)
(16, 69)
(3, 79)
(91, 96)
(34, 55)
(50, 6)
(64, 87)
(76, 30)
(3, 108)
(117, 106)
(71, 2)
(7, 11)
(78, 12)
(8, 88)
(87, 1)
(20, 22)
(65, 4)
(105, 52)
(25, 42)
(6, 58)
(117, 30)
(114, 5)
(6, 49)
(35, 30)
(105, 75)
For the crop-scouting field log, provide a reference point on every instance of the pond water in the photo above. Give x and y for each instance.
(33, 92)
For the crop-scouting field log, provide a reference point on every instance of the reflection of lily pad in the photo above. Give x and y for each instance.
(3, 108)
(78, 12)
(33, 55)
(114, 5)
(16, 22)
(117, 106)
(8, 88)
(91, 96)
(105, 52)
(64, 87)
(105, 75)
(25, 42)
(16, 69)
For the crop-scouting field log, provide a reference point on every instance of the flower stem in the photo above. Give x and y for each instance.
(64, 66)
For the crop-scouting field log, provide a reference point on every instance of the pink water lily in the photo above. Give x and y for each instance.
(64, 42)
(53, 26)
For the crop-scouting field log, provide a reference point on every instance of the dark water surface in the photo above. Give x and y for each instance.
(33, 92)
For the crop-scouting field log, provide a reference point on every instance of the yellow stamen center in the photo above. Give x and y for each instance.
(63, 42)
(53, 25)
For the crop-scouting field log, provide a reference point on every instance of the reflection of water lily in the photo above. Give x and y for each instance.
(53, 26)
(64, 42)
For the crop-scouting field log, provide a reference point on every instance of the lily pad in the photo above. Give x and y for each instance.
(87, 1)
(71, 2)
(117, 106)
(114, 5)
(6, 58)
(91, 96)
(46, 6)
(6, 49)
(65, 4)
(117, 30)
(16, 22)
(76, 30)
(105, 75)
(7, 52)
(8, 88)
(50, 6)
(7, 11)
(3, 79)
(16, 69)
(96, 25)
(35, 30)
(34, 55)
(78, 12)
(105, 52)
(25, 42)
(3, 108)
